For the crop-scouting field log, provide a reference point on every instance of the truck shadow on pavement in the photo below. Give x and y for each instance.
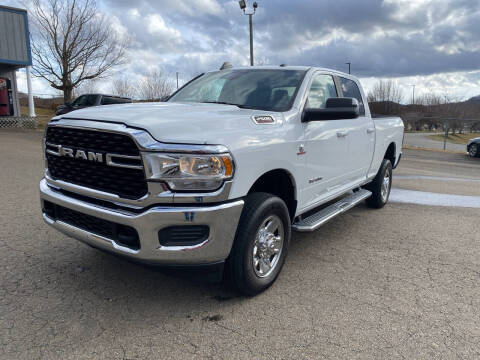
(128, 280)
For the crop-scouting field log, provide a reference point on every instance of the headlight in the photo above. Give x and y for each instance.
(185, 172)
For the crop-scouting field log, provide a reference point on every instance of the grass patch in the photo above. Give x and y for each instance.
(455, 139)
(44, 115)
(421, 131)
(410, 147)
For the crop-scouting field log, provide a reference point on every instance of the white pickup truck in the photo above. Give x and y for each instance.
(222, 172)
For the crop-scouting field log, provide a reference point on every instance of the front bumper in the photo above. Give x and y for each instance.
(222, 220)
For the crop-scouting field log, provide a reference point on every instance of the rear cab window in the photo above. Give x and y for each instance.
(350, 89)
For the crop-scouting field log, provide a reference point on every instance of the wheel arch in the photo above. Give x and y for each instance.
(391, 153)
(279, 182)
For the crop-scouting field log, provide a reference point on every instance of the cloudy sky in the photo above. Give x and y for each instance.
(434, 44)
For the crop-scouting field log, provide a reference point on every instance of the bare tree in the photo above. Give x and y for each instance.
(86, 87)
(386, 90)
(122, 86)
(387, 95)
(155, 86)
(72, 42)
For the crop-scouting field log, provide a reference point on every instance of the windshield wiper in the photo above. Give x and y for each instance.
(226, 103)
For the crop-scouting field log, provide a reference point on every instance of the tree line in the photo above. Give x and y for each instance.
(153, 87)
(428, 111)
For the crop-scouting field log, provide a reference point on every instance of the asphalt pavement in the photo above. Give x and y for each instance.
(401, 282)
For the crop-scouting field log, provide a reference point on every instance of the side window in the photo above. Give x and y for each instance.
(322, 88)
(91, 100)
(350, 89)
(107, 100)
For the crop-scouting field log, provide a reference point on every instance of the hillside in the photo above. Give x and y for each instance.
(474, 100)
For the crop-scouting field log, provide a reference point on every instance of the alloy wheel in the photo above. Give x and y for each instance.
(268, 246)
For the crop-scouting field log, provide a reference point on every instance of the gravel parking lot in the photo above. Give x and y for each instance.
(402, 282)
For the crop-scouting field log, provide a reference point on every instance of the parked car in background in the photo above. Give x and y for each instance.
(473, 147)
(88, 100)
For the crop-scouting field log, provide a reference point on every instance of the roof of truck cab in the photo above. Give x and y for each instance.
(109, 95)
(287, 67)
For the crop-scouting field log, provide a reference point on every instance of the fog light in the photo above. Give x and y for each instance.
(183, 235)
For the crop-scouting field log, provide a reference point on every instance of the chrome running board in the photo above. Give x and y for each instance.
(314, 221)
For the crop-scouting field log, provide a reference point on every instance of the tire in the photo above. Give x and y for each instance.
(263, 221)
(380, 186)
(473, 150)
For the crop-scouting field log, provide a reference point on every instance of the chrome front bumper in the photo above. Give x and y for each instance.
(222, 220)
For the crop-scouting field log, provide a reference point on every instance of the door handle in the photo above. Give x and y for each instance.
(341, 134)
(370, 130)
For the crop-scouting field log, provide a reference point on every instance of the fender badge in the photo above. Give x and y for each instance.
(263, 120)
(301, 150)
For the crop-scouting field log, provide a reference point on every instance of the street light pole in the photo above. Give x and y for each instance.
(349, 65)
(250, 16)
(243, 6)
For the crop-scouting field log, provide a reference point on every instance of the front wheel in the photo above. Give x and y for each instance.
(473, 150)
(260, 245)
(380, 186)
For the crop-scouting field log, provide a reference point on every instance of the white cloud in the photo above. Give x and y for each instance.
(194, 7)
(456, 86)
(156, 26)
(39, 86)
(118, 27)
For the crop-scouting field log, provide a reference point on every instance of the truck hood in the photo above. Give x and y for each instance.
(192, 123)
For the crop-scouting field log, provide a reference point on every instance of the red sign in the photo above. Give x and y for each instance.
(4, 105)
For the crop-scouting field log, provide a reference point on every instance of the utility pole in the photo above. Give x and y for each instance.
(243, 6)
(349, 67)
(177, 80)
(445, 136)
(413, 94)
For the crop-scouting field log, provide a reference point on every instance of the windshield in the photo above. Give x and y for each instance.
(271, 90)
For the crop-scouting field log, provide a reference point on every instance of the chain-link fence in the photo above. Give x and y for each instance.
(438, 133)
(18, 122)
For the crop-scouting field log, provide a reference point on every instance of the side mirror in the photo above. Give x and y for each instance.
(68, 103)
(335, 109)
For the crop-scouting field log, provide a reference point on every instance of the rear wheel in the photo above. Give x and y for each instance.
(261, 244)
(380, 186)
(473, 150)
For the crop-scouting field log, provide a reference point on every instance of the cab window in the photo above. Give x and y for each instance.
(85, 100)
(322, 88)
(350, 89)
(108, 100)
